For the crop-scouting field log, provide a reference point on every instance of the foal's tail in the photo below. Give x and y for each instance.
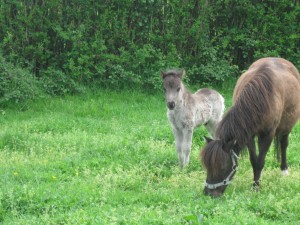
(277, 147)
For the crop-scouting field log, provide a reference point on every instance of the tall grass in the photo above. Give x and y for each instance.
(109, 158)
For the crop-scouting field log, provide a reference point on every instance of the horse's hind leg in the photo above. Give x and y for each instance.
(284, 141)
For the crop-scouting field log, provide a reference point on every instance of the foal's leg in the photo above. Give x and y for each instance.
(186, 145)
(284, 141)
(211, 128)
(179, 139)
(264, 142)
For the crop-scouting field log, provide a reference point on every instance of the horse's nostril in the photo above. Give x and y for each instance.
(171, 105)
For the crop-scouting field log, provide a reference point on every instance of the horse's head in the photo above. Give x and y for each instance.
(220, 162)
(173, 87)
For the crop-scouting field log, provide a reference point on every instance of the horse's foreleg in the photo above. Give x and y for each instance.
(252, 154)
(179, 139)
(284, 141)
(264, 142)
(186, 145)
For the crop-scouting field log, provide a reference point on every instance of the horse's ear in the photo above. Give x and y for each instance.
(227, 146)
(163, 74)
(207, 139)
(181, 73)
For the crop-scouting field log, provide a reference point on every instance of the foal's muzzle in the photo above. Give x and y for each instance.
(171, 105)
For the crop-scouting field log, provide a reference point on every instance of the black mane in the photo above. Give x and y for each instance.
(252, 104)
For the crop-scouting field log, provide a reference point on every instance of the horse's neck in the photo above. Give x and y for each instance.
(232, 129)
(186, 95)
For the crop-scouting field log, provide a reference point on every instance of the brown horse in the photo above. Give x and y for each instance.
(267, 105)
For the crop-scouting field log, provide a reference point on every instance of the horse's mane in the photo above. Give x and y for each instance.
(213, 159)
(252, 103)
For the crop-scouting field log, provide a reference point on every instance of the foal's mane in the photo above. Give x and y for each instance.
(253, 103)
(174, 73)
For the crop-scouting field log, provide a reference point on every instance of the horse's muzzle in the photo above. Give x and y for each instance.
(171, 105)
(215, 193)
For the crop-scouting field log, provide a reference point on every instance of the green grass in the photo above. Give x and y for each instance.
(109, 158)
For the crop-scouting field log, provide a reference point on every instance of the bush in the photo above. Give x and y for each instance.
(139, 67)
(17, 85)
(126, 43)
(215, 73)
(211, 68)
(55, 82)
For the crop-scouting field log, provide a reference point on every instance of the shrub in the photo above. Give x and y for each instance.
(139, 67)
(17, 85)
(211, 68)
(56, 82)
(126, 43)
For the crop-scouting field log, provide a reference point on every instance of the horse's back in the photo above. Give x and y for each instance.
(212, 96)
(280, 71)
(212, 101)
(279, 66)
(282, 83)
(208, 93)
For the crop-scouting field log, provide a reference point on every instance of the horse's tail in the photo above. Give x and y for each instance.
(277, 147)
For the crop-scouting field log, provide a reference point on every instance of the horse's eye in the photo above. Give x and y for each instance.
(165, 90)
(178, 89)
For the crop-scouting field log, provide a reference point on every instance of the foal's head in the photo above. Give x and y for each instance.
(173, 87)
(221, 163)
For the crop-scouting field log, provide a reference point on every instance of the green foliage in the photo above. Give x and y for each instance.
(127, 43)
(214, 71)
(17, 85)
(109, 158)
(144, 72)
(58, 83)
(246, 31)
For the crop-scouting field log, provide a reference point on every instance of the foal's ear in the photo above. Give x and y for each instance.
(207, 139)
(227, 146)
(163, 74)
(181, 73)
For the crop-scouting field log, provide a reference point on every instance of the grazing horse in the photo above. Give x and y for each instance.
(187, 111)
(267, 105)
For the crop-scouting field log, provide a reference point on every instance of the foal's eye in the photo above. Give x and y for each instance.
(165, 90)
(178, 89)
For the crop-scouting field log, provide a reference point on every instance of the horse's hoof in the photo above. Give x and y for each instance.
(284, 172)
(256, 186)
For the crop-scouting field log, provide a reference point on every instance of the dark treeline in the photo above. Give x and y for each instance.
(127, 42)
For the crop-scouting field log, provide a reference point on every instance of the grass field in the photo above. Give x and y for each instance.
(109, 158)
